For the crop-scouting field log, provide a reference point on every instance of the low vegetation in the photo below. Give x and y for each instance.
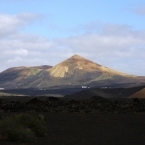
(21, 128)
(34, 71)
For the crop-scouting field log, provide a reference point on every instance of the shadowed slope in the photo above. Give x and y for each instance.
(17, 76)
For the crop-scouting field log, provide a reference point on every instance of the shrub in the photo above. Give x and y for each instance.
(21, 128)
(33, 123)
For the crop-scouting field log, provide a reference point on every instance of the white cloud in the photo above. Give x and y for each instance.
(14, 60)
(20, 52)
(10, 24)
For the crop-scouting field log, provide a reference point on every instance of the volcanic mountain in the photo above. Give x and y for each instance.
(73, 72)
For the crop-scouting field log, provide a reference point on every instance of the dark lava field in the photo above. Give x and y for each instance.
(94, 104)
(89, 121)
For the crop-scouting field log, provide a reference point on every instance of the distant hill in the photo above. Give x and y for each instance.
(139, 94)
(74, 72)
(16, 76)
(106, 92)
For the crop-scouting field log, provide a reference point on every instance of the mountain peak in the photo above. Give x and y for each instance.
(73, 65)
(76, 56)
(79, 66)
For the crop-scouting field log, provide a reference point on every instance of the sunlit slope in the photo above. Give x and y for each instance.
(139, 94)
(79, 64)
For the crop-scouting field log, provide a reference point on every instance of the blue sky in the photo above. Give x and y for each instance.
(45, 32)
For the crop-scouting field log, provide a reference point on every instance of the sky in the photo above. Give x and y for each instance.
(46, 32)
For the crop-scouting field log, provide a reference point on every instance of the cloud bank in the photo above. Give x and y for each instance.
(112, 45)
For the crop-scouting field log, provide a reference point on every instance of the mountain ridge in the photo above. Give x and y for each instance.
(75, 71)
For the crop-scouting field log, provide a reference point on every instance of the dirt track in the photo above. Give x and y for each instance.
(92, 129)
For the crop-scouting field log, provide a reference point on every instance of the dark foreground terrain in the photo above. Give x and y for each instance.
(91, 129)
(96, 121)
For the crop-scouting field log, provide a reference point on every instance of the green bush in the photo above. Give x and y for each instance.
(21, 128)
